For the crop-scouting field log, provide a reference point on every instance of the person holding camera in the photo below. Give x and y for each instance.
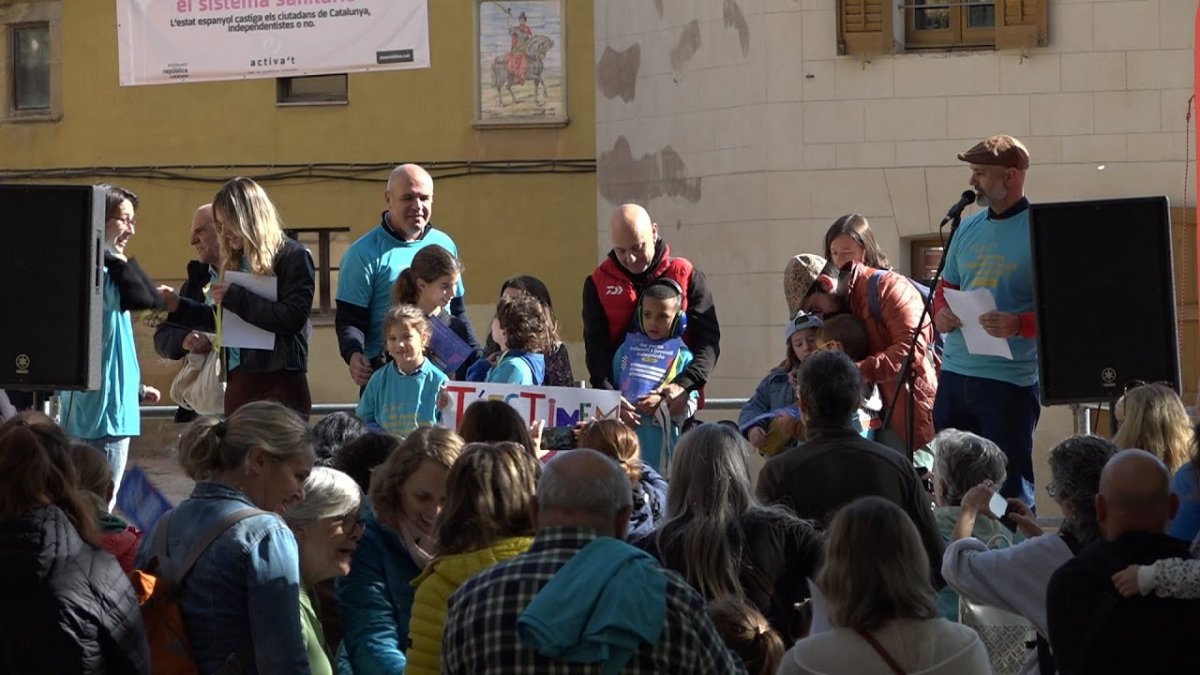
(1015, 579)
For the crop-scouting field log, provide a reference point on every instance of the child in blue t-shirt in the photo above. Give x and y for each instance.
(409, 391)
(524, 331)
(650, 359)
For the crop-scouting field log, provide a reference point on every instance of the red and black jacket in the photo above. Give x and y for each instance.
(610, 296)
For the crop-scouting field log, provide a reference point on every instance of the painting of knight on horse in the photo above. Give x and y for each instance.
(520, 47)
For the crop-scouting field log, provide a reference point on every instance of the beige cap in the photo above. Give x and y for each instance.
(798, 277)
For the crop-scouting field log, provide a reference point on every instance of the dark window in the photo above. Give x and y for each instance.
(312, 89)
(30, 75)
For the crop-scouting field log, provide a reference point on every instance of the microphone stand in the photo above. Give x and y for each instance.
(907, 376)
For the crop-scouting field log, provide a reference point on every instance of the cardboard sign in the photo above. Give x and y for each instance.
(556, 406)
(140, 501)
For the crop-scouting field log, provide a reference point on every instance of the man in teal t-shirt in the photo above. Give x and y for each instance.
(994, 397)
(372, 263)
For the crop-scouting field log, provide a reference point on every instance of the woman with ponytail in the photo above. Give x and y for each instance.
(748, 634)
(241, 598)
(430, 283)
(67, 606)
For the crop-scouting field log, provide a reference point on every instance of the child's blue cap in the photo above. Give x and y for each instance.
(802, 321)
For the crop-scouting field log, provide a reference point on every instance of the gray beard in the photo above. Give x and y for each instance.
(982, 199)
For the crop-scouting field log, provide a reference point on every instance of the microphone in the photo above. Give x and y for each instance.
(968, 197)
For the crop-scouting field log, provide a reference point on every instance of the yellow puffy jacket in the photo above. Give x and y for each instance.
(441, 578)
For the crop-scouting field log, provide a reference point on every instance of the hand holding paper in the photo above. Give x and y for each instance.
(236, 331)
(969, 306)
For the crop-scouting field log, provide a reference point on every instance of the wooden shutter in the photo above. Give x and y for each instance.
(865, 27)
(1020, 24)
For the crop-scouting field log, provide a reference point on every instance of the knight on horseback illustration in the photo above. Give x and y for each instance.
(517, 60)
(524, 62)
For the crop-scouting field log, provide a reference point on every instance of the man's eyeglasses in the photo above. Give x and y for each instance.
(126, 220)
(1134, 384)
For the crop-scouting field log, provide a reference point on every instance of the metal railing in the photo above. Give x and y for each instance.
(318, 409)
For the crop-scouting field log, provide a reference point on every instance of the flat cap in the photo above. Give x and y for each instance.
(1002, 150)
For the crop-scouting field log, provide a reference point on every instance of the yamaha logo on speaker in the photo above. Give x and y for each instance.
(1108, 376)
(22, 364)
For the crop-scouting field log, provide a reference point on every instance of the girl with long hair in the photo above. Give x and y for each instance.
(723, 541)
(487, 519)
(429, 283)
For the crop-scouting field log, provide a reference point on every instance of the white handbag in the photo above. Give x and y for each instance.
(1006, 635)
(198, 384)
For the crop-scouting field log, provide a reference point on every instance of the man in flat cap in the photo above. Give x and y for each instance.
(992, 396)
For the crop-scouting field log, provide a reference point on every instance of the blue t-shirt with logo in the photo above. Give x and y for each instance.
(111, 410)
(397, 402)
(993, 254)
(370, 269)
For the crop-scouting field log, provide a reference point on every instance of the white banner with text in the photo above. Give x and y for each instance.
(168, 41)
(556, 406)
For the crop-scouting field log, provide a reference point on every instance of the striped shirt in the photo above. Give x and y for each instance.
(481, 626)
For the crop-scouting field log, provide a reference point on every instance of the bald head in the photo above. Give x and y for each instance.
(204, 236)
(409, 197)
(634, 237)
(409, 172)
(584, 488)
(1135, 494)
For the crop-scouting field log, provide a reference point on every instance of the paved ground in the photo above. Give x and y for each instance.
(155, 451)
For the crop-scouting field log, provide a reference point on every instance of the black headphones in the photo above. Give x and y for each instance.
(679, 325)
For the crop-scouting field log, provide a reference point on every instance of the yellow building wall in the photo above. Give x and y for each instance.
(503, 224)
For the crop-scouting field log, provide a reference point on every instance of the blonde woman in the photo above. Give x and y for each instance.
(1157, 422)
(875, 580)
(242, 596)
(252, 241)
(487, 519)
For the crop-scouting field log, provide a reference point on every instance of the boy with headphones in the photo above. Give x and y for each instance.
(651, 357)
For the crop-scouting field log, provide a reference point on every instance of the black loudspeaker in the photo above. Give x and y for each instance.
(1104, 286)
(51, 288)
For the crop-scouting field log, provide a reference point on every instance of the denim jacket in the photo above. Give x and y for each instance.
(245, 586)
(375, 601)
(773, 393)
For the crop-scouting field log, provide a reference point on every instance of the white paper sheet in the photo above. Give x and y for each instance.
(235, 331)
(968, 306)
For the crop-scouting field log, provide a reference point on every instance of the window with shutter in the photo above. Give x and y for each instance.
(866, 27)
(872, 26)
(1021, 24)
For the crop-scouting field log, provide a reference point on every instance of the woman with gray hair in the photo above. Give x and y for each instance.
(723, 541)
(327, 525)
(1015, 578)
(964, 460)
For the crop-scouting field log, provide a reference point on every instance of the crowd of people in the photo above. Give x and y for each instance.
(892, 528)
